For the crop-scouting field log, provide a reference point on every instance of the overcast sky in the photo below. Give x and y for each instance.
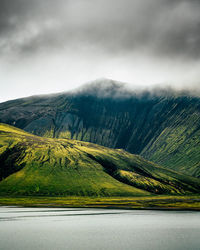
(48, 46)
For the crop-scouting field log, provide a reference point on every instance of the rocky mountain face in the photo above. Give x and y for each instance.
(161, 126)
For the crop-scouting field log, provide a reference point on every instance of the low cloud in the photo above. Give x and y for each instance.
(129, 40)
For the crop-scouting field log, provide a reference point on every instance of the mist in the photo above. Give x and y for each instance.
(54, 46)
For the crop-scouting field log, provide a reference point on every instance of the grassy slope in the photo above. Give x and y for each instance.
(32, 165)
(162, 128)
(178, 144)
(52, 167)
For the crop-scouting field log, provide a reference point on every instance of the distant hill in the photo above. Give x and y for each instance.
(32, 165)
(162, 126)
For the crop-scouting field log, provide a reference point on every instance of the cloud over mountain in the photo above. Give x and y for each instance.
(129, 40)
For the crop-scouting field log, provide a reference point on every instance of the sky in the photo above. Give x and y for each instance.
(53, 46)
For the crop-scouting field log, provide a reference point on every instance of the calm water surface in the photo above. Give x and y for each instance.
(52, 228)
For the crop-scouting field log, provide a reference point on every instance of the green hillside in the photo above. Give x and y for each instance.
(32, 165)
(161, 126)
(177, 147)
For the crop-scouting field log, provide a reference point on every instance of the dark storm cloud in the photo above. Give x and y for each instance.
(167, 28)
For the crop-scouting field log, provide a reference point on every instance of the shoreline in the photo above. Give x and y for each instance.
(162, 203)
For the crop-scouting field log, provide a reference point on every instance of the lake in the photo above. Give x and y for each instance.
(69, 228)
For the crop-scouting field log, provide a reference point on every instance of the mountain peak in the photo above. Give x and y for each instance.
(105, 88)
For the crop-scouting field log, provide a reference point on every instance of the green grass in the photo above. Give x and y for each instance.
(32, 165)
(178, 146)
(149, 202)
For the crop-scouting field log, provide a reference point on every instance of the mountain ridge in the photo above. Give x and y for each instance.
(162, 128)
(128, 90)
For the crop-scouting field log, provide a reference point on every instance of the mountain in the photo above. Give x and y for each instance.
(33, 165)
(161, 125)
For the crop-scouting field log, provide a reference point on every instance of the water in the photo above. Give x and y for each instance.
(57, 229)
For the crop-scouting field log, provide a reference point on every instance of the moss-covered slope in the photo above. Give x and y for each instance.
(162, 127)
(32, 165)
